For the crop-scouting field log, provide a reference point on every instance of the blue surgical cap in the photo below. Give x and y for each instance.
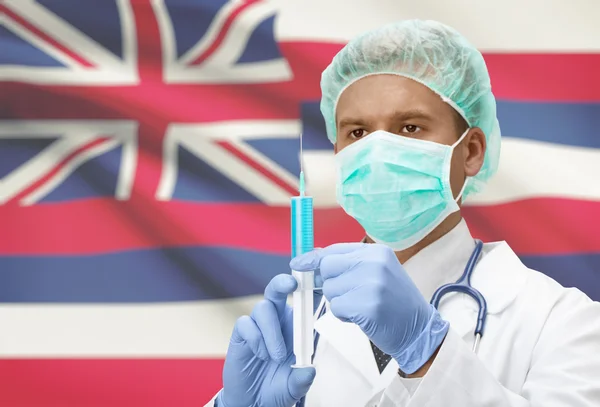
(432, 54)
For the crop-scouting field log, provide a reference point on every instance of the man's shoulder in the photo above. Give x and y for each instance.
(538, 281)
(550, 298)
(507, 277)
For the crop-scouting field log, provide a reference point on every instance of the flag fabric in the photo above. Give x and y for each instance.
(149, 148)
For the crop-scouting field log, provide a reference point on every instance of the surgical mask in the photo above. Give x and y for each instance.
(397, 188)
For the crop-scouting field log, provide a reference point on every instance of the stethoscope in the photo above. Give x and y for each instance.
(462, 285)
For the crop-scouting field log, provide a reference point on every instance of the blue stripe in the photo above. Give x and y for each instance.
(169, 274)
(573, 124)
(581, 271)
(195, 273)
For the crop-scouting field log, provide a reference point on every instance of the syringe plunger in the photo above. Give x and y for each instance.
(303, 318)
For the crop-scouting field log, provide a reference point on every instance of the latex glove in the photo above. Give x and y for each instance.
(365, 284)
(257, 368)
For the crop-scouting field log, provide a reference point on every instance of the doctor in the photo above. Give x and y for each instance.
(410, 112)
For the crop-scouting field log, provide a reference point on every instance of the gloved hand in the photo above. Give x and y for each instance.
(257, 368)
(365, 284)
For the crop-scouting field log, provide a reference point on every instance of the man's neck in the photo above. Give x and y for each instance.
(446, 226)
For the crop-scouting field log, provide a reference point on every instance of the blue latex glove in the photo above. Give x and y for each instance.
(366, 284)
(257, 368)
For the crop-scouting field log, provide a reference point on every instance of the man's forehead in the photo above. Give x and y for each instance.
(386, 82)
(387, 95)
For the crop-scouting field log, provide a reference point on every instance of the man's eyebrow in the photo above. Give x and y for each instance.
(349, 121)
(412, 114)
(400, 115)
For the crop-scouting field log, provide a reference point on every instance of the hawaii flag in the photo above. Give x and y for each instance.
(149, 148)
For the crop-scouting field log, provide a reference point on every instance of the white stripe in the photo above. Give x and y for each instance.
(491, 25)
(191, 329)
(531, 169)
(527, 169)
(319, 173)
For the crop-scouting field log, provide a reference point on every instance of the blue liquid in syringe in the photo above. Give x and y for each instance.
(302, 222)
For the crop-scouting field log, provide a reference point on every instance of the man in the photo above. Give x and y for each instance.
(410, 112)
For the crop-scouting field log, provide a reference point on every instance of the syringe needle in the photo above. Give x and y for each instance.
(301, 156)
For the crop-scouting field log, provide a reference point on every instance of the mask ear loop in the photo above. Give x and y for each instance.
(460, 139)
(462, 190)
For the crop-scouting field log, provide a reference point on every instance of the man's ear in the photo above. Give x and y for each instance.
(475, 151)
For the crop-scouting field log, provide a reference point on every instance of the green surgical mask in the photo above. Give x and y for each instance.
(397, 188)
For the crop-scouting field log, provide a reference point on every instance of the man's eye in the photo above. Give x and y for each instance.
(358, 133)
(410, 128)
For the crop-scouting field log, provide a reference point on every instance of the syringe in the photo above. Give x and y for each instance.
(303, 242)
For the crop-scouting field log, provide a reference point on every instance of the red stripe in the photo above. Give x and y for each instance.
(223, 32)
(545, 77)
(541, 226)
(37, 184)
(532, 227)
(514, 77)
(50, 40)
(551, 77)
(290, 189)
(106, 382)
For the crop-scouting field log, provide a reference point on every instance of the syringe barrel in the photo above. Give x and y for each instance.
(303, 318)
(303, 301)
(302, 225)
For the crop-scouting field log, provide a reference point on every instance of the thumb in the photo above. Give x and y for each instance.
(300, 381)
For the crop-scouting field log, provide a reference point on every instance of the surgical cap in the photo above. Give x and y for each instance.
(432, 54)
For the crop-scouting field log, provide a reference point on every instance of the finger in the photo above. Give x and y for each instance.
(247, 332)
(343, 284)
(336, 265)
(299, 382)
(278, 290)
(346, 308)
(267, 320)
(311, 260)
